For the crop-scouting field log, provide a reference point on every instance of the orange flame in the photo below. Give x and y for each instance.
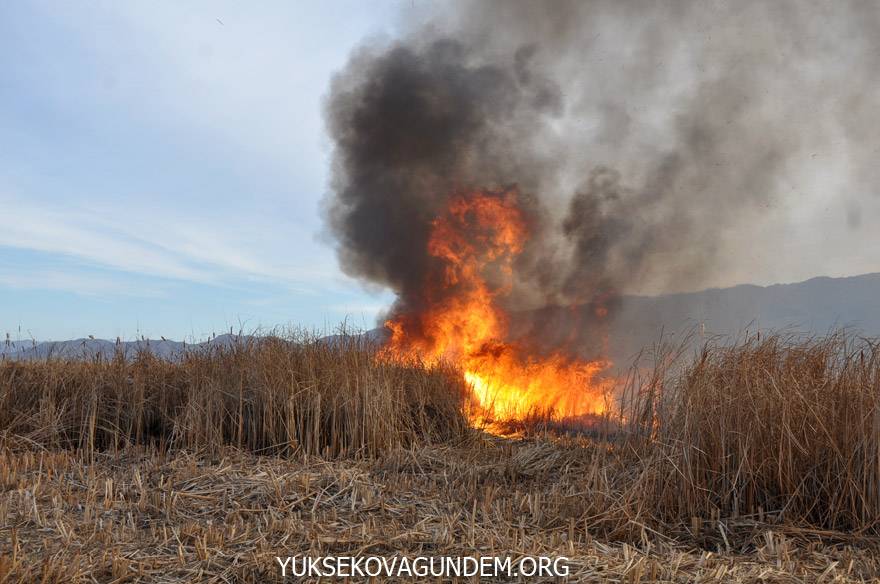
(475, 243)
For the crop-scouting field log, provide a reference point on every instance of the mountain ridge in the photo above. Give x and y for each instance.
(814, 306)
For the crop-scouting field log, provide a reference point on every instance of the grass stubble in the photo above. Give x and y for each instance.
(752, 461)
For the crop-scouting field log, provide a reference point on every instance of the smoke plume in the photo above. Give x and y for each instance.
(657, 146)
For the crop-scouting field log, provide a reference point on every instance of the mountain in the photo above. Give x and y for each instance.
(815, 306)
(92, 348)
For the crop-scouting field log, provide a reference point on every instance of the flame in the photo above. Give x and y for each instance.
(472, 246)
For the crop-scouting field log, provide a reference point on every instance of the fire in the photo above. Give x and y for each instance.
(472, 246)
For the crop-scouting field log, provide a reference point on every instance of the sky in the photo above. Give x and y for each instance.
(164, 164)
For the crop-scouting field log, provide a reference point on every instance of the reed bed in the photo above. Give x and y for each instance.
(266, 395)
(775, 424)
(752, 461)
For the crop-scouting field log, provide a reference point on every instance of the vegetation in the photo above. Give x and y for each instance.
(268, 395)
(777, 425)
(758, 460)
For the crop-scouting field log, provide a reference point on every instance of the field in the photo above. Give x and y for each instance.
(753, 462)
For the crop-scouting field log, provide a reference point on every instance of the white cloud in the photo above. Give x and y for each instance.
(78, 282)
(153, 244)
(51, 229)
(244, 96)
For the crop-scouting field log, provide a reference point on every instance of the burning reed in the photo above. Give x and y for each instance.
(769, 430)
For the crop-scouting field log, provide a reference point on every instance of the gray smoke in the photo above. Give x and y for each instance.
(659, 145)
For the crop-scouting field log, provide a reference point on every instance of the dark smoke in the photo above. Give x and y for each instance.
(413, 126)
(662, 145)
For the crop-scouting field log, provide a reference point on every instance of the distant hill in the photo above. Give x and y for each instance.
(814, 306)
(91, 348)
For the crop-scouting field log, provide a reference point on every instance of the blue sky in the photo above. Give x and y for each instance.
(163, 166)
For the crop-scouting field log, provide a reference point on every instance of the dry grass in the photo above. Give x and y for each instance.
(275, 395)
(775, 425)
(179, 517)
(753, 462)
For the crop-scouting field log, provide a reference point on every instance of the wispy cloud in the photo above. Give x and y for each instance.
(151, 151)
(69, 232)
(152, 243)
(77, 282)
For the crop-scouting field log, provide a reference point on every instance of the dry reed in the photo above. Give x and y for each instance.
(266, 395)
(776, 425)
(754, 461)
